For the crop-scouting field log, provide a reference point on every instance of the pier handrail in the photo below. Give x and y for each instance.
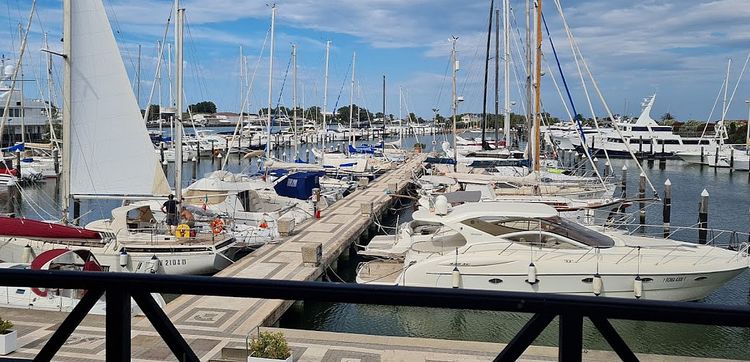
(120, 287)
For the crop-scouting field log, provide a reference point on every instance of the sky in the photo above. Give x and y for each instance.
(676, 49)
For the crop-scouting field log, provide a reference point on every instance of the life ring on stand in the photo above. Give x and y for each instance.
(182, 231)
(217, 226)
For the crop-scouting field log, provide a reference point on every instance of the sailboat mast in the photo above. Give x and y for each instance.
(294, 100)
(270, 81)
(178, 94)
(497, 74)
(383, 135)
(454, 103)
(400, 118)
(67, 91)
(529, 106)
(486, 76)
(351, 102)
(537, 86)
(52, 133)
(506, 71)
(138, 79)
(325, 102)
(23, 112)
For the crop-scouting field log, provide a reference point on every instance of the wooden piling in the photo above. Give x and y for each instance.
(703, 217)
(667, 210)
(642, 196)
(624, 182)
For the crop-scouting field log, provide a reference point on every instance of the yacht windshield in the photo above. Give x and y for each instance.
(556, 225)
(577, 232)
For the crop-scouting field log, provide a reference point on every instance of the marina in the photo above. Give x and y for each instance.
(306, 227)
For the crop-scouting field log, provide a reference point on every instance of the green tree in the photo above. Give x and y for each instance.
(203, 107)
(667, 117)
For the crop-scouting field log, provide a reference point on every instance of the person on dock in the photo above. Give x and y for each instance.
(170, 208)
(187, 217)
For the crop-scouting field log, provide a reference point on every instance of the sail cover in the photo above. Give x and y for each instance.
(110, 150)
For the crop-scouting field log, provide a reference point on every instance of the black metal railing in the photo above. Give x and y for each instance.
(571, 310)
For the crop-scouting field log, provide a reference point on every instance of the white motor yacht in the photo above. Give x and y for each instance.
(528, 247)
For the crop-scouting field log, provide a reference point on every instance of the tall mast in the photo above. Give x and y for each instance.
(454, 103)
(23, 110)
(294, 99)
(158, 80)
(486, 76)
(178, 96)
(506, 71)
(138, 79)
(270, 81)
(67, 90)
(383, 135)
(53, 136)
(538, 81)
(351, 102)
(325, 102)
(724, 101)
(400, 119)
(497, 73)
(529, 108)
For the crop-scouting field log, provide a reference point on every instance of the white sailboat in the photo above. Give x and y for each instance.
(101, 120)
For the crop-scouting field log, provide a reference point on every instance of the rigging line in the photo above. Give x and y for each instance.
(343, 84)
(197, 68)
(147, 112)
(118, 33)
(716, 102)
(565, 84)
(442, 84)
(581, 135)
(576, 57)
(601, 97)
(283, 83)
(736, 85)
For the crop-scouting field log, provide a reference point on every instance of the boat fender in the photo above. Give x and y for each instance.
(597, 284)
(456, 277)
(638, 287)
(124, 258)
(28, 254)
(153, 265)
(531, 279)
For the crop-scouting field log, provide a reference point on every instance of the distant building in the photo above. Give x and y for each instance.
(24, 115)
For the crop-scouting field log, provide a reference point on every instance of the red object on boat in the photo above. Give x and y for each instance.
(45, 259)
(9, 171)
(35, 229)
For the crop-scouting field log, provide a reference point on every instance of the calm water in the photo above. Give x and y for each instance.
(729, 205)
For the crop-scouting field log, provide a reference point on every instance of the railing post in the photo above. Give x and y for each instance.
(571, 337)
(118, 325)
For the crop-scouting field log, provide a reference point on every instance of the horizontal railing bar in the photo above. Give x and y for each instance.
(610, 308)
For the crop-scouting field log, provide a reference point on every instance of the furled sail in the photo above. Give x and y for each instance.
(110, 151)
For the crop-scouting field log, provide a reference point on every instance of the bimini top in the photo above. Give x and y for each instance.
(488, 208)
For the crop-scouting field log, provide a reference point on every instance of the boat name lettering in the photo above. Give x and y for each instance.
(674, 279)
(174, 262)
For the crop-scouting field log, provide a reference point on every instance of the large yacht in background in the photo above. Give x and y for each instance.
(642, 136)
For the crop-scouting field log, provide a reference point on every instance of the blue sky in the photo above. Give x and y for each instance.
(677, 49)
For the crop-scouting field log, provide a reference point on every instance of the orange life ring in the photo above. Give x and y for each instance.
(217, 226)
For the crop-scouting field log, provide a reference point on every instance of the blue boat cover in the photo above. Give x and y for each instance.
(299, 185)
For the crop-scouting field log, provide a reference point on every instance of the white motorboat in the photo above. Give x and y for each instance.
(528, 248)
